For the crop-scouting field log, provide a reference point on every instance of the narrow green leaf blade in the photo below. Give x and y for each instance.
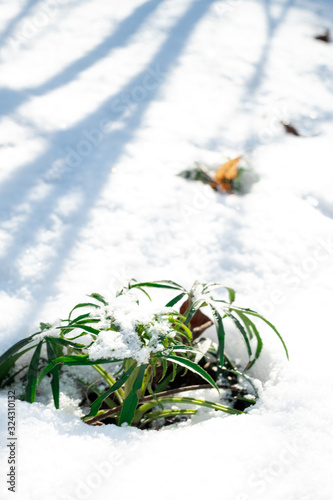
(82, 327)
(131, 401)
(220, 333)
(170, 285)
(257, 315)
(193, 309)
(199, 402)
(213, 285)
(98, 297)
(245, 377)
(232, 294)
(65, 342)
(9, 363)
(83, 304)
(55, 382)
(165, 368)
(242, 331)
(74, 360)
(252, 327)
(30, 391)
(166, 413)
(187, 363)
(176, 299)
(120, 382)
(16, 347)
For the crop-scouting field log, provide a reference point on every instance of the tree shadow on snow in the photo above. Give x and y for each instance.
(14, 23)
(91, 174)
(12, 99)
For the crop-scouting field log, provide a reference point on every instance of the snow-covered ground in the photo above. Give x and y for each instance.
(101, 105)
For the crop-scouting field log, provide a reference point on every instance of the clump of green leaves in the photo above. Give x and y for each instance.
(149, 349)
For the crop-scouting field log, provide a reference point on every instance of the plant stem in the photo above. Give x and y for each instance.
(129, 382)
(178, 399)
(146, 399)
(110, 380)
(165, 414)
(145, 381)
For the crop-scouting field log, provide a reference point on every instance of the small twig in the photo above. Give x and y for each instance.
(146, 399)
(198, 330)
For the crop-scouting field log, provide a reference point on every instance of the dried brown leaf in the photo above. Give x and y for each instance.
(290, 129)
(325, 37)
(225, 174)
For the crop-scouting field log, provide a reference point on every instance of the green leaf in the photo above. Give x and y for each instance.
(193, 309)
(74, 360)
(165, 369)
(10, 379)
(55, 382)
(82, 327)
(242, 331)
(251, 327)
(76, 323)
(9, 363)
(187, 363)
(175, 300)
(246, 400)
(79, 318)
(98, 297)
(144, 291)
(232, 294)
(166, 413)
(30, 391)
(179, 348)
(117, 385)
(45, 326)
(16, 347)
(210, 286)
(162, 385)
(131, 401)
(83, 304)
(220, 333)
(257, 315)
(246, 377)
(181, 399)
(170, 285)
(181, 328)
(65, 342)
(199, 402)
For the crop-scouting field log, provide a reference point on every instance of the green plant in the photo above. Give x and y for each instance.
(148, 347)
(233, 176)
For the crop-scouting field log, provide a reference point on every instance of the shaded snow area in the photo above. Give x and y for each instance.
(101, 105)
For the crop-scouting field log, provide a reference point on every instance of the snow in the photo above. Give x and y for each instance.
(126, 313)
(102, 105)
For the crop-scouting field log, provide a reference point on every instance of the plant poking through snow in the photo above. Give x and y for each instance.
(149, 347)
(233, 176)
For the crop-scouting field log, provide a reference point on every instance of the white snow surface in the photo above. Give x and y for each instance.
(102, 104)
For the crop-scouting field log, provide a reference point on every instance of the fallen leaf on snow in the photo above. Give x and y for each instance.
(225, 174)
